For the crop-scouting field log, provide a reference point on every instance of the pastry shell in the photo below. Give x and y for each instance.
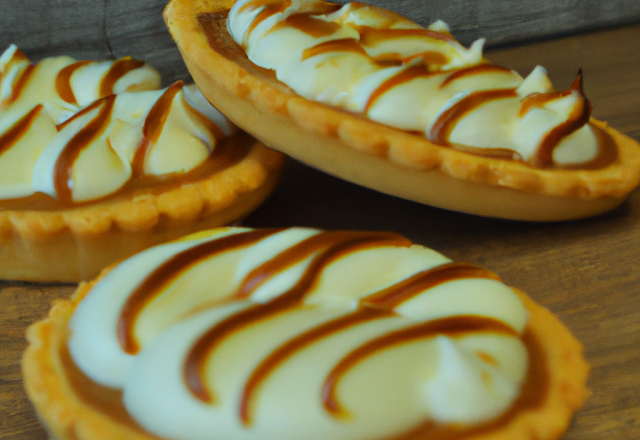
(72, 245)
(52, 383)
(386, 159)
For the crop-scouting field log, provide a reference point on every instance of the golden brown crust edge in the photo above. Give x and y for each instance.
(383, 158)
(67, 417)
(84, 240)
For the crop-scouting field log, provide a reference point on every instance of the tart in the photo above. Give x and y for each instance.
(97, 162)
(371, 97)
(239, 333)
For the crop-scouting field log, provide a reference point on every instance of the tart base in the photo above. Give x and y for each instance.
(69, 415)
(75, 245)
(380, 157)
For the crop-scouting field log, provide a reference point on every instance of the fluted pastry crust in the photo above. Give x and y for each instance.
(378, 156)
(51, 384)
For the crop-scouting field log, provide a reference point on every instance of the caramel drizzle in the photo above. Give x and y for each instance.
(13, 135)
(118, 69)
(473, 70)
(341, 45)
(607, 153)
(444, 125)
(395, 295)
(327, 246)
(285, 351)
(368, 36)
(453, 326)
(21, 83)
(171, 269)
(540, 99)
(384, 60)
(429, 58)
(312, 26)
(63, 82)
(400, 78)
(63, 176)
(577, 119)
(270, 8)
(375, 306)
(17, 56)
(153, 125)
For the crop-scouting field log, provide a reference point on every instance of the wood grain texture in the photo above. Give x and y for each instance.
(586, 271)
(20, 305)
(99, 29)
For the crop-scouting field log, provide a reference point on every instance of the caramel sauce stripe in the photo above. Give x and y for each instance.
(452, 327)
(403, 76)
(578, 118)
(117, 70)
(327, 246)
(446, 122)
(64, 165)
(9, 138)
(21, 82)
(153, 125)
(63, 82)
(269, 9)
(164, 274)
(473, 70)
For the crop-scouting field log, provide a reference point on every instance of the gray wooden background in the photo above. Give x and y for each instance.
(99, 29)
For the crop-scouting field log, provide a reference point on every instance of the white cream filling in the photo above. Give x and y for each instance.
(93, 343)
(440, 378)
(17, 163)
(347, 79)
(105, 165)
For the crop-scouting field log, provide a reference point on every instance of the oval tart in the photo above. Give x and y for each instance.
(97, 162)
(446, 163)
(240, 333)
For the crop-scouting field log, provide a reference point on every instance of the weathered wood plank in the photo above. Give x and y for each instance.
(92, 29)
(43, 27)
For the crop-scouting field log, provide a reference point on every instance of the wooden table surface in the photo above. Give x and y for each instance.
(586, 271)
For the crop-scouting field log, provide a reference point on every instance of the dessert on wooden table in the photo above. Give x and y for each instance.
(370, 96)
(239, 333)
(97, 162)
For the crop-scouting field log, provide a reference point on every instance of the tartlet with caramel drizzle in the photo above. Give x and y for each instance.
(96, 163)
(292, 334)
(371, 97)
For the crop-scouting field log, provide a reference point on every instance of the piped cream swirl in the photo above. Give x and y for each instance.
(79, 131)
(368, 60)
(299, 333)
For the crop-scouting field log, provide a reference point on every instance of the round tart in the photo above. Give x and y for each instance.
(97, 162)
(371, 97)
(239, 333)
